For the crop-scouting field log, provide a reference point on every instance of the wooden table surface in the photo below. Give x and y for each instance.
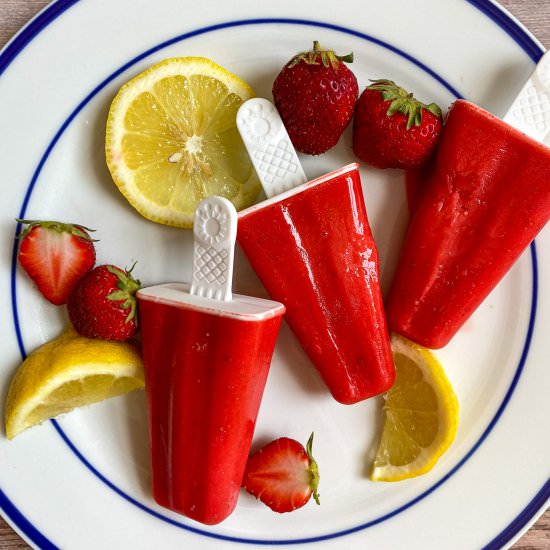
(534, 14)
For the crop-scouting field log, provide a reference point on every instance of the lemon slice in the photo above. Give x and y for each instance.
(421, 415)
(68, 372)
(172, 140)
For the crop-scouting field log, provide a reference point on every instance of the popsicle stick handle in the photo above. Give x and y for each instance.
(269, 146)
(215, 231)
(530, 111)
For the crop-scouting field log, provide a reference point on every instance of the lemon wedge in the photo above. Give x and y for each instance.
(421, 415)
(68, 372)
(172, 140)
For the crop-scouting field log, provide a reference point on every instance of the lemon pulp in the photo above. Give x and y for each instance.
(172, 140)
(421, 415)
(68, 372)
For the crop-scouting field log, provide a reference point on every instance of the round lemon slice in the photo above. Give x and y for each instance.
(69, 372)
(421, 415)
(172, 140)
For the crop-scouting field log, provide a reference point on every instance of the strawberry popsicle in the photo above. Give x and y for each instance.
(484, 201)
(313, 250)
(206, 355)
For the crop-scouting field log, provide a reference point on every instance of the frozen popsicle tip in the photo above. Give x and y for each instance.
(215, 231)
(269, 146)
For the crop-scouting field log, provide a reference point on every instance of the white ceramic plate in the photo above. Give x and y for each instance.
(84, 482)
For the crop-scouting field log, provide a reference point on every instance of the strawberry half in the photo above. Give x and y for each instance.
(392, 129)
(315, 94)
(283, 475)
(103, 304)
(55, 256)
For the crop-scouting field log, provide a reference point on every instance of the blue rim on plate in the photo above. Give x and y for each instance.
(496, 14)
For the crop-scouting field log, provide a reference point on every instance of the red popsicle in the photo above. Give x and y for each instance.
(486, 199)
(206, 362)
(313, 250)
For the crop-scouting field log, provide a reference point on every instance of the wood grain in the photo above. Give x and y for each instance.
(534, 14)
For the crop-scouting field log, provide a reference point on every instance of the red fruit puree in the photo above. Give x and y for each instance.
(313, 249)
(485, 201)
(205, 367)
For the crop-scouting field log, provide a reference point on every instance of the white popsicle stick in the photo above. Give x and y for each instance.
(530, 111)
(269, 146)
(215, 231)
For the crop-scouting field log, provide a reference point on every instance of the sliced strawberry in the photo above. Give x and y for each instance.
(55, 256)
(283, 475)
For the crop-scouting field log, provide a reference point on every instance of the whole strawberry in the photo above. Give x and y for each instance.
(315, 94)
(392, 129)
(55, 256)
(283, 475)
(103, 304)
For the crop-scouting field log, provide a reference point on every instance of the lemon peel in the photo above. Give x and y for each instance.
(421, 415)
(172, 140)
(68, 372)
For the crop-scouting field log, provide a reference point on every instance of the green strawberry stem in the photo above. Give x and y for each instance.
(403, 102)
(328, 57)
(60, 227)
(128, 286)
(313, 470)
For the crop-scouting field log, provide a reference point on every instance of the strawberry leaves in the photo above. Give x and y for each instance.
(73, 229)
(127, 287)
(313, 469)
(320, 55)
(403, 102)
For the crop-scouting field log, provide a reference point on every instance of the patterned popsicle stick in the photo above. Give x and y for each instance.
(269, 146)
(215, 231)
(530, 111)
